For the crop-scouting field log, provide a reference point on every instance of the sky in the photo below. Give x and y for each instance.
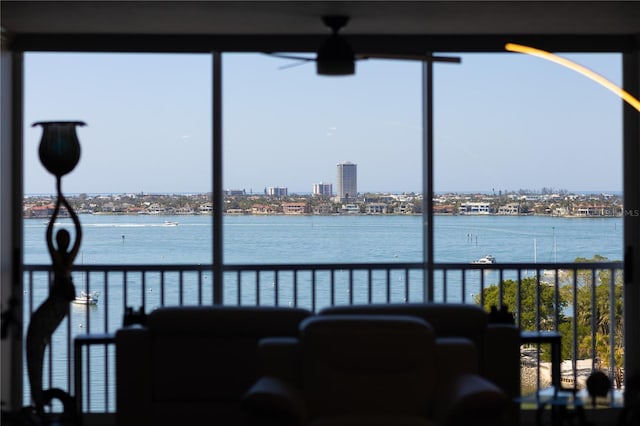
(502, 122)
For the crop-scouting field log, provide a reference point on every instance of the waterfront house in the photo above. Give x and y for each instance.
(444, 209)
(206, 208)
(375, 208)
(475, 208)
(135, 210)
(406, 208)
(185, 210)
(264, 209)
(294, 208)
(509, 209)
(41, 211)
(323, 209)
(594, 210)
(350, 208)
(235, 211)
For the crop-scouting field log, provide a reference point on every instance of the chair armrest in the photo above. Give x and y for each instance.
(469, 399)
(271, 401)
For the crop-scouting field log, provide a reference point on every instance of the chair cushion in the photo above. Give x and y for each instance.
(366, 364)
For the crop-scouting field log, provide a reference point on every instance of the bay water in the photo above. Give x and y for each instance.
(112, 239)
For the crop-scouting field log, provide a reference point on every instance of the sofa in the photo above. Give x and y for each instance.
(192, 365)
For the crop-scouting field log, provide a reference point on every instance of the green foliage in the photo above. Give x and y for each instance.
(594, 294)
(534, 310)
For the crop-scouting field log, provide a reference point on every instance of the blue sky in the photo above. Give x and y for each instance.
(502, 122)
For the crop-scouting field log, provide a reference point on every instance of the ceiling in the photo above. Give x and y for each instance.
(242, 25)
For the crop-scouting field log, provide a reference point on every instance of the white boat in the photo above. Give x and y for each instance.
(170, 223)
(486, 260)
(87, 298)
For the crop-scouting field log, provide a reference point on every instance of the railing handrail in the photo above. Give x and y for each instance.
(331, 266)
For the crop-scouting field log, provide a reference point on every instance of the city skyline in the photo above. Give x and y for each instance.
(502, 121)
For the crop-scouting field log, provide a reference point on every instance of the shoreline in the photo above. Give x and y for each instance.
(332, 214)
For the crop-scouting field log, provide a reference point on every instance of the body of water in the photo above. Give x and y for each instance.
(289, 240)
(332, 239)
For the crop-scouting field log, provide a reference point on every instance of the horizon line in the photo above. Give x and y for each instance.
(485, 192)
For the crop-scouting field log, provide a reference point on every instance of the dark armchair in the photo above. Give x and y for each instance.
(371, 370)
(497, 344)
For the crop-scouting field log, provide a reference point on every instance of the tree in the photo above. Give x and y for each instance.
(537, 311)
(594, 292)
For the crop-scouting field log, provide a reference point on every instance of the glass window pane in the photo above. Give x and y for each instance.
(146, 153)
(518, 135)
(286, 130)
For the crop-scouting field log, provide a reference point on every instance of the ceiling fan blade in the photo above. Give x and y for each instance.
(297, 58)
(300, 59)
(295, 64)
(408, 57)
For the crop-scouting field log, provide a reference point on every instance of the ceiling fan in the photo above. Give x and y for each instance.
(336, 56)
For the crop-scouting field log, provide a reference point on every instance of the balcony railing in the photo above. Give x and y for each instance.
(581, 300)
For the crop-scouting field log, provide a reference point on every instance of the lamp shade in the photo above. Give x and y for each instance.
(59, 147)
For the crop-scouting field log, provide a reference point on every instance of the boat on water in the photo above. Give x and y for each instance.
(485, 260)
(170, 223)
(86, 298)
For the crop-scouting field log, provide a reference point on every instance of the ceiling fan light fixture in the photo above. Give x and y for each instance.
(336, 68)
(335, 57)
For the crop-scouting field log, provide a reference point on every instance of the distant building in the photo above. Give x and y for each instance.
(347, 181)
(235, 211)
(444, 209)
(376, 208)
(323, 209)
(42, 211)
(235, 192)
(264, 209)
(475, 208)
(323, 189)
(406, 208)
(509, 209)
(350, 209)
(294, 208)
(274, 191)
(594, 210)
(206, 208)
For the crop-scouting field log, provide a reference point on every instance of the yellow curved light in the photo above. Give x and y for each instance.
(626, 96)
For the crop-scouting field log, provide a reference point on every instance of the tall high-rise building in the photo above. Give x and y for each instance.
(323, 189)
(276, 191)
(347, 181)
